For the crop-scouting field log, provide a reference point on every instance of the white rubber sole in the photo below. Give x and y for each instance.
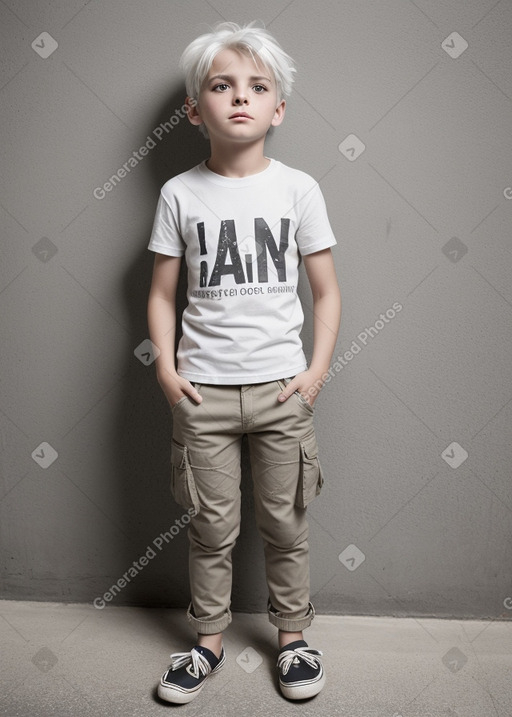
(301, 691)
(180, 696)
(176, 696)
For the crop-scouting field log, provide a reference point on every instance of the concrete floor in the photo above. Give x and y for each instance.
(77, 661)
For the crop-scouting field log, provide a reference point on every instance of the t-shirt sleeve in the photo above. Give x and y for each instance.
(314, 232)
(165, 235)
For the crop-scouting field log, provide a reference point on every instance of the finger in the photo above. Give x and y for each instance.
(287, 391)
(193, 393)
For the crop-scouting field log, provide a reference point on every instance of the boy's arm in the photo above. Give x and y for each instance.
(326, 321)
(162, 327)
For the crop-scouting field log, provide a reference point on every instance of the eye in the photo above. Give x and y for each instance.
(259, 89)
(222, 87)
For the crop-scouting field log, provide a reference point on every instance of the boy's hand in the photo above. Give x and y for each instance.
(306, 383)
(175, 387)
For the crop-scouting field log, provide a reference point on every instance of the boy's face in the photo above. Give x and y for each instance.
(238, 101)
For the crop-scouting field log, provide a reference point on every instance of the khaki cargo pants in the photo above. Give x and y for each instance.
(205, 475)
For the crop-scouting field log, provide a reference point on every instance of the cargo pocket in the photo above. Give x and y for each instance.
(310, 474)
(183, 487)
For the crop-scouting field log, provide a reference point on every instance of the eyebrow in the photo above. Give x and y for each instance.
(229, 78)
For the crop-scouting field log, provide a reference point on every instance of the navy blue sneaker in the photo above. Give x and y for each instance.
(301, 673)
(188, 674)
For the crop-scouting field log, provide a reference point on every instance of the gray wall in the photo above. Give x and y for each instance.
(423, 218)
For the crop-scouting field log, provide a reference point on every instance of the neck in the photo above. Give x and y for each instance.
(236, 160)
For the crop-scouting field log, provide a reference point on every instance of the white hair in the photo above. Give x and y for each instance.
(250, 39)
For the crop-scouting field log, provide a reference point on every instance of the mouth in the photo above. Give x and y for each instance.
(241, 115)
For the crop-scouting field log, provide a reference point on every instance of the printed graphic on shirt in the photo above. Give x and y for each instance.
(231, 261)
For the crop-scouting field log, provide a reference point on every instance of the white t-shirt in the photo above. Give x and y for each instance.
(242, 239)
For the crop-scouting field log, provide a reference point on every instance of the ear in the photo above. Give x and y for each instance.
(279, 114)
(193, 111)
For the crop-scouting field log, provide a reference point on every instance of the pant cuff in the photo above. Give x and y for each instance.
(208, 626)
(283, 621)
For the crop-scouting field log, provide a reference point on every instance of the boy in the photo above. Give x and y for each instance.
(243, 222)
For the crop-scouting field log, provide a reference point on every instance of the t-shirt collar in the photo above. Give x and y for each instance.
(247, 181)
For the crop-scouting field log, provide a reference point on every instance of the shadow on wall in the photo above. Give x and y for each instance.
(151, 518)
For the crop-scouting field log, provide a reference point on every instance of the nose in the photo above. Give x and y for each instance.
(240, 99)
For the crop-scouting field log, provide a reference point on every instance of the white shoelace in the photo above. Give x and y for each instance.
(200, 665)
(288, 657)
